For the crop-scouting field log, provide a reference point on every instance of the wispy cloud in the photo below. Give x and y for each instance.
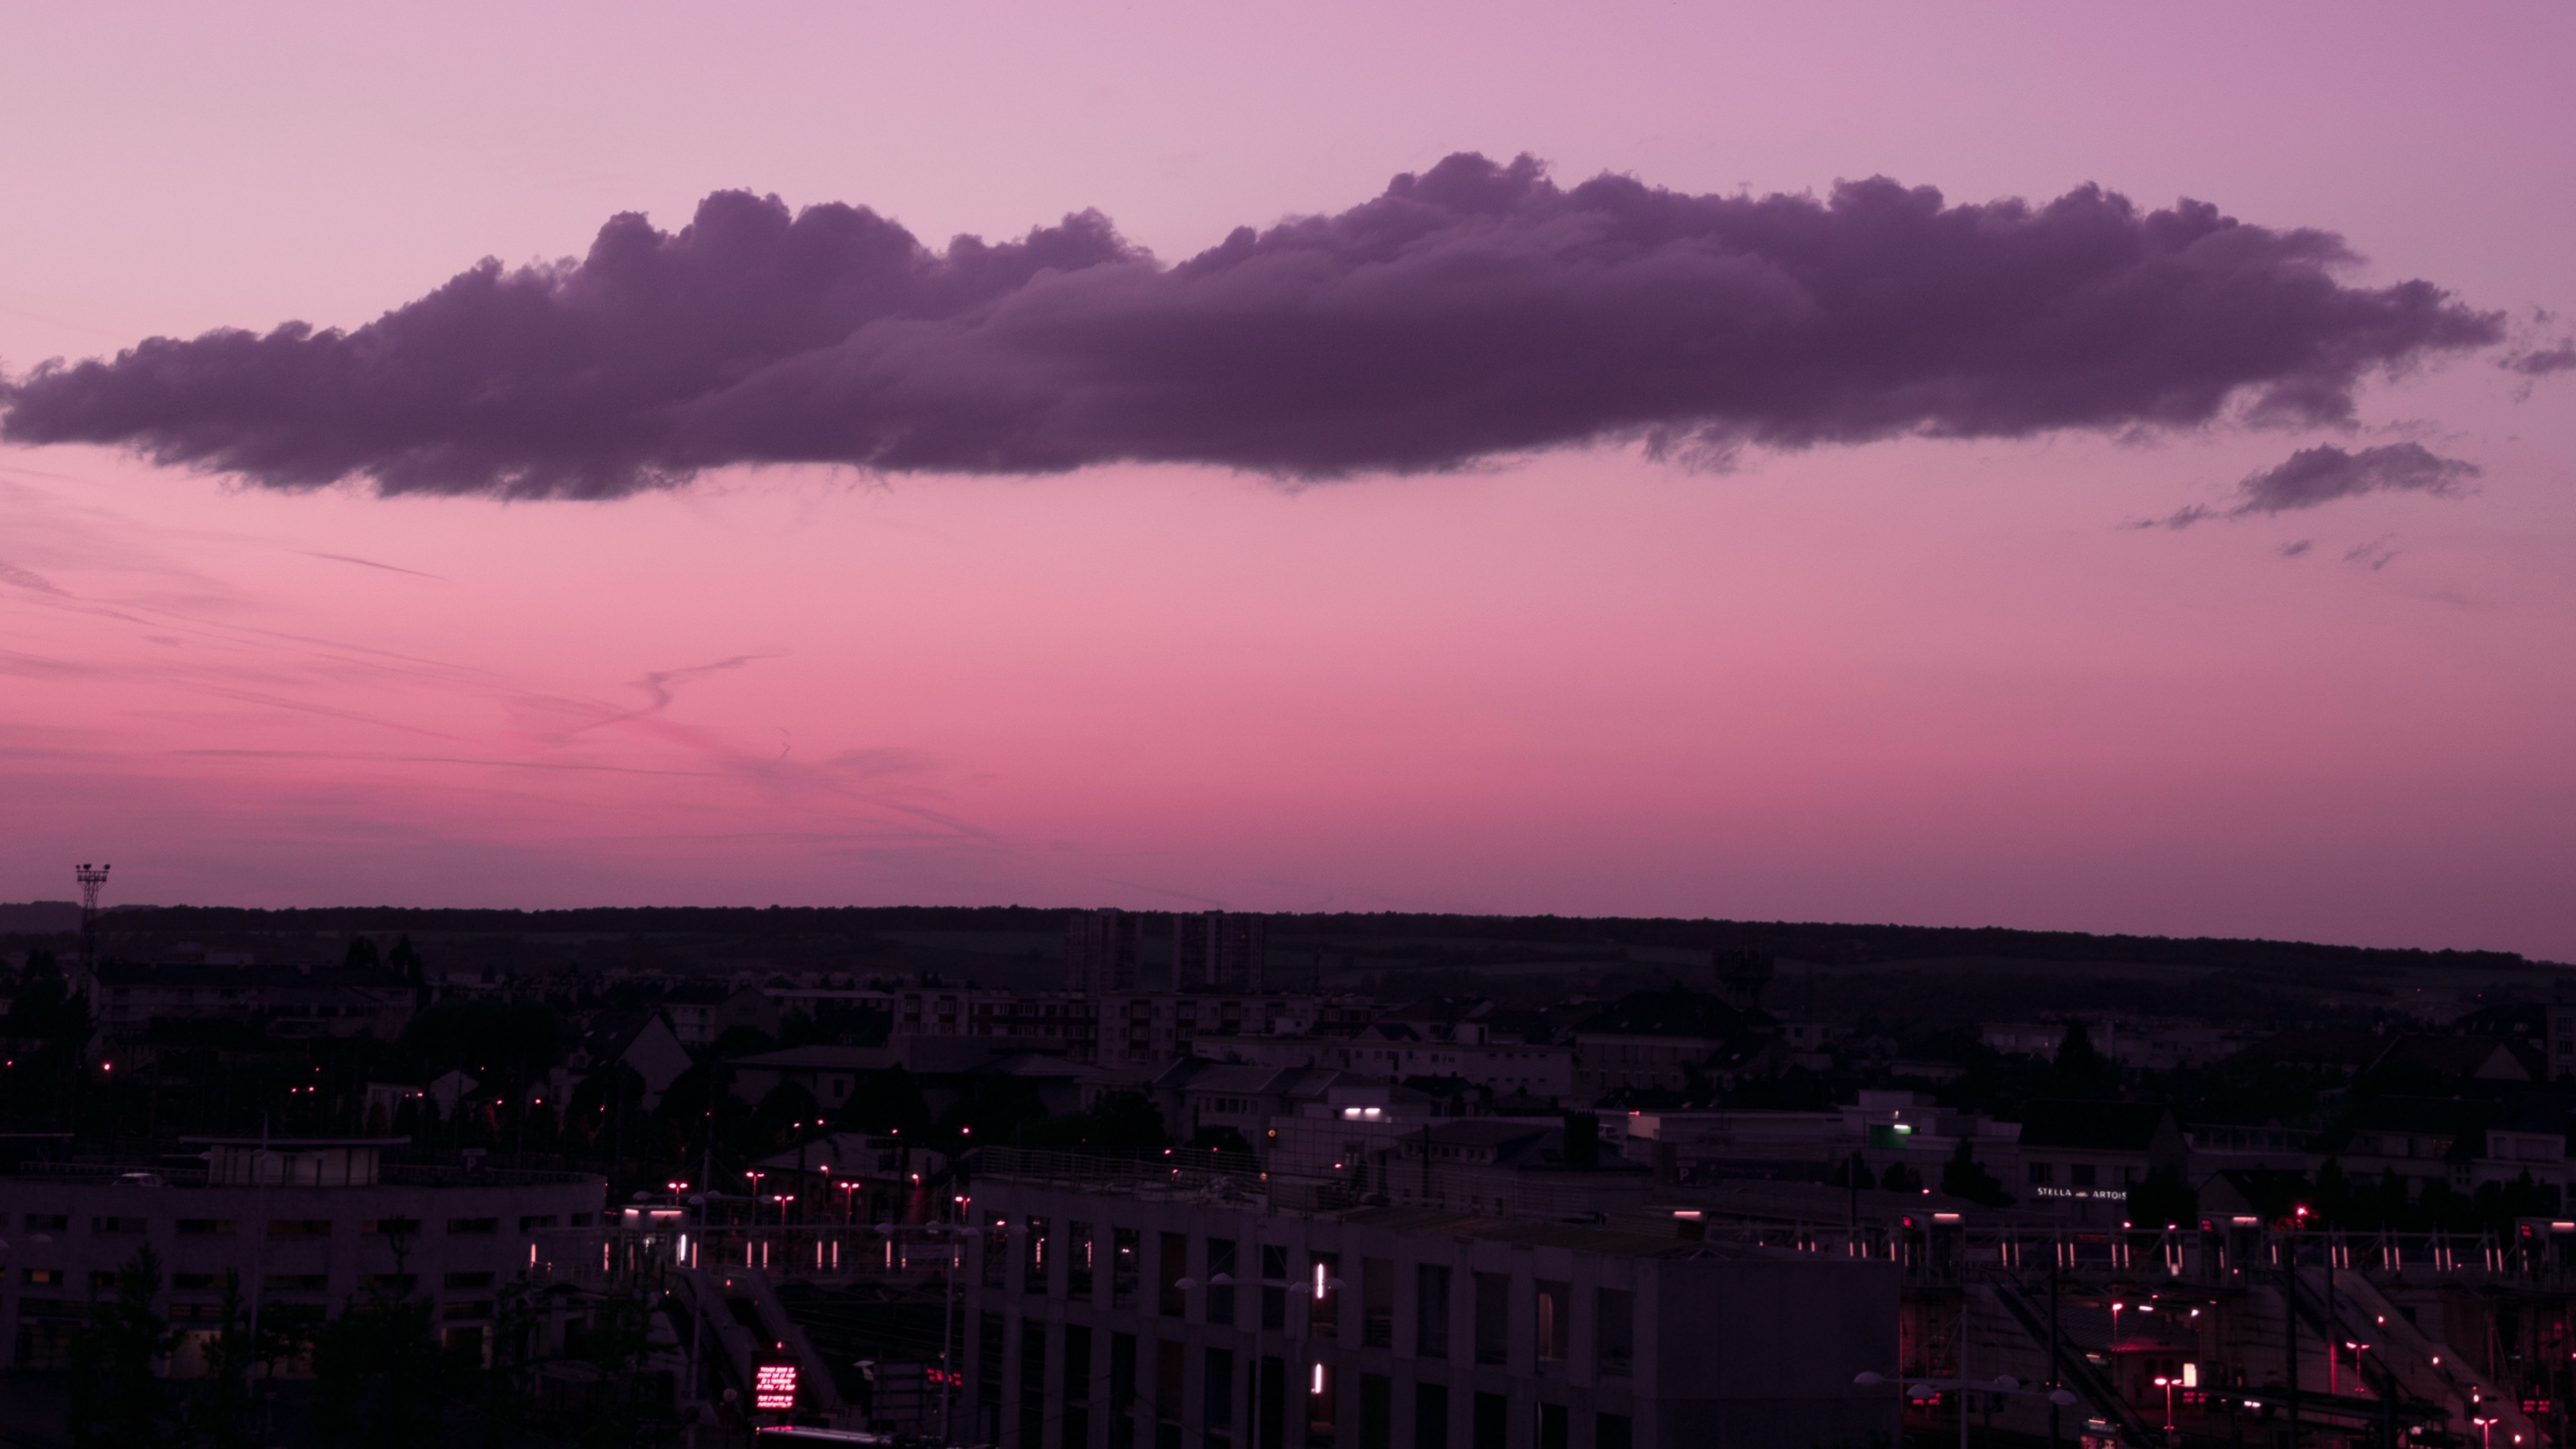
(2312, 477)
(368, 563)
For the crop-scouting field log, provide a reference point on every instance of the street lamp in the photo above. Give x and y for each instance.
(2167, 1385)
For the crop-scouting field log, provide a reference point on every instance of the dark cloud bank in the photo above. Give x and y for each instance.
(1470, 311)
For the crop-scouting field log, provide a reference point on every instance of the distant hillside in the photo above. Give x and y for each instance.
(38, 918)
(1435, 939)
(1862, 944)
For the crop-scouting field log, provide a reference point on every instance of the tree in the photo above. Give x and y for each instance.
(405, 961)
(1964, 1176)
(1219, 1139)
(117, 1401)
(629, 1409)
(1853, 1171)
(886, 1101)
(220, 1415)
(1900, 1178)
(2164, 1199)
(380, 1380)
(1118, 1122)
(2081, 1070)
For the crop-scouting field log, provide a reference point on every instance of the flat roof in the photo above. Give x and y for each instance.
(1576, 1236)
(300, 1141)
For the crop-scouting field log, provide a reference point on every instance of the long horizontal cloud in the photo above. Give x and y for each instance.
(1475, 309)
(2312, 476)
(2315, 476)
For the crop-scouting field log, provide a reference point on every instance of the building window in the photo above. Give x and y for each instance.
(1493, 1319)
(1274, 1291)
(1551, 1426)
(473, 1227)
(1319, 1406)
(988, 1359)
(2039, 1174)
(1614, 1330)
(1171, 1265)
(1323, 1319)
(1554, 1326)
(1492, 1421)
(1216, 1393)
(1122, 1387)
(1220, 1295)
(997, 1254)
(1033, 1258)
(1077, 1261)
(469, 1280)
(2081, 1174)
(1430, 1416)
(1430, 1311)
(1377, 1304)
(1123, 1268)
(1033, 1404)
(299, 1227)
(1612, 1431)
(205, 1227)
(1170, 1356)
(1377, 1412)
(1077, 1379)
(116, 1225)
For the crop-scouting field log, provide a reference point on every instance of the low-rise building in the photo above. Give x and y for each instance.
(2084, 1157)
(302, 1226)
(286, 1000)
(703, 1011)
(1105, 1320)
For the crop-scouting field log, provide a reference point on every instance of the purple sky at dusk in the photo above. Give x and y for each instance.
(1966, 631)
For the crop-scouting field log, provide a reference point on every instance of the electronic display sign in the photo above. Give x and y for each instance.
(773, 1385)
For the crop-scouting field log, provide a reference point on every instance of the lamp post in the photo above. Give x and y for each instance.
(2167, 1385)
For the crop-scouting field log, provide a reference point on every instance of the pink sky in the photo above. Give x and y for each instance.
(1919, 681)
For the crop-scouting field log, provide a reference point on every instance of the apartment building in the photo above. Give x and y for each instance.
(304, 1226)
(1120, 1029)
(291, 1001)
(1101, 949)
(1120, 1320)
(1218, 951)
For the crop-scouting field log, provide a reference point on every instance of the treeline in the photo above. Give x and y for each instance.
(1861, 944)
(1576, 937)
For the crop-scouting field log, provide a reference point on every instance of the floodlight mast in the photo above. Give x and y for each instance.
(91, 878)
